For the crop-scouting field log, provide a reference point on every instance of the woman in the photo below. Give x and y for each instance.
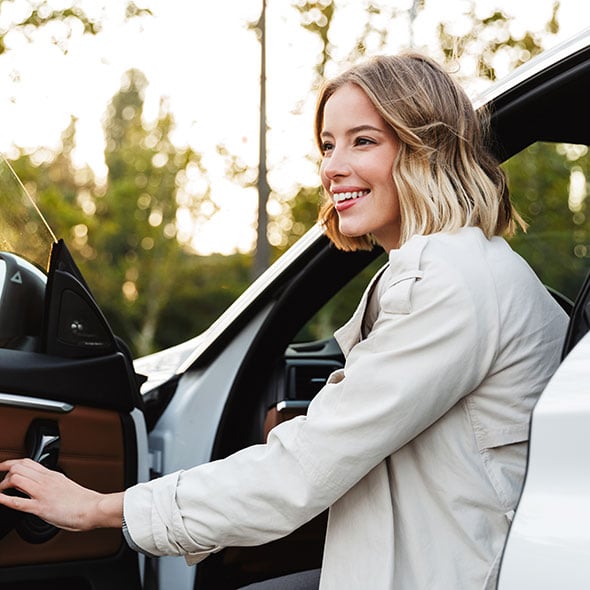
(418, 445)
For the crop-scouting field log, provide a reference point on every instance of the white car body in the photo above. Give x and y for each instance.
(549, 542)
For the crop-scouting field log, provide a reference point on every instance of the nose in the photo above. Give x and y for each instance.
(336, 165)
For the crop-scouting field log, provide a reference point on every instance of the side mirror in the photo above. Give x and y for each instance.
(22, 293)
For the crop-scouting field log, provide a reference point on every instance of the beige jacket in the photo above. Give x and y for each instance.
(418, 445)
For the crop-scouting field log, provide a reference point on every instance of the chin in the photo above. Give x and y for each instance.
(351, 232)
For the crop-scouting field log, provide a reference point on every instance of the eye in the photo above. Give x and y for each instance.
(360, 141)
(326, 146)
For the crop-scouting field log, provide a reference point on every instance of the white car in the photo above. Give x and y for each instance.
(71, 396)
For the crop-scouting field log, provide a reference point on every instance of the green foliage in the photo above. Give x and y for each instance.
(304, 211)
(557, 243)
(205, 287)
(126, 235)
(135, 241)
(55, 186)
(298, 214)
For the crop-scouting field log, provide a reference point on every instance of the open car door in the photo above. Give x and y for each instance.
(69, 398)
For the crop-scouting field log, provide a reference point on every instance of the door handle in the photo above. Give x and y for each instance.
(42, 442)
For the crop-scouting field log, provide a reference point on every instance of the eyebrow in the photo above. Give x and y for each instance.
(353, 130)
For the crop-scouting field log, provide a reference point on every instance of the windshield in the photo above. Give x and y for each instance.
(23, 230)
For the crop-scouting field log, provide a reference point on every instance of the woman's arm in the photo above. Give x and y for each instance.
(57, 499)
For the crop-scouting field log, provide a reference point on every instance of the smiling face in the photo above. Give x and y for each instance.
(359, 149)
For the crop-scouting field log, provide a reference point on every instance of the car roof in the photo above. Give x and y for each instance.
(544, 61)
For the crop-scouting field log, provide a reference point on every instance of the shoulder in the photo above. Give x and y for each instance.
(461, 273)
(432, 272)
(446, 248)
(465, 257)
(466, 271)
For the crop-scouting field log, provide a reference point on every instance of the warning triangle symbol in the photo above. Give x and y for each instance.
(17, 278)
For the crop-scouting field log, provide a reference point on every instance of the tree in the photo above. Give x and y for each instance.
(137, 239)
(130, 236)
(316, 17)
(56, 185)
(488, 41)
(282, 228)
(262, 249)
(32, 18)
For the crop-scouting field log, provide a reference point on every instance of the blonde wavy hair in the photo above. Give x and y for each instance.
(445, 176)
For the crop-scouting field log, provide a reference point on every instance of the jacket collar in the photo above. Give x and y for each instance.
(406, 260)
(350, 334)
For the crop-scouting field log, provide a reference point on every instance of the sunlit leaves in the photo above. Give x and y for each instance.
(489, 42)
(56, 22)
(316, 17)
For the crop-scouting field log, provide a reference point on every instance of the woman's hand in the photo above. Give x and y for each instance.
(57, 499)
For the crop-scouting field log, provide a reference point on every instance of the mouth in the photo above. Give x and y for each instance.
(347, 198)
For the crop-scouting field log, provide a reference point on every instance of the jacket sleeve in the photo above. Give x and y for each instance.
(429, 347)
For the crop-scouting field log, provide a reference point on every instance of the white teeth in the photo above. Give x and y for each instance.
(339, 197)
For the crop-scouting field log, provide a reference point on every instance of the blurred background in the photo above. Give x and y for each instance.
(170, 143)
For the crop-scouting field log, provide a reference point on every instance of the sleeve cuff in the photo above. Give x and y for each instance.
(153, 524)
(131, 542)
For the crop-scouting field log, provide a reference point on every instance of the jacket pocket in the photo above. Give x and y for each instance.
(504, 453)
(498, 437)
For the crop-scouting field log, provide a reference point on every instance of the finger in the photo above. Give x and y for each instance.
(24, 475)
(25, 466)
(7, 464)
(16, 503)
(25, 462)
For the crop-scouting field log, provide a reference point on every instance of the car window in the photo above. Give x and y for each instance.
(548, 183)
(337, 311)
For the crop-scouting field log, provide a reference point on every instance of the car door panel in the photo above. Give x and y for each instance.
(69, 398)
(92, 452)
(105, 381)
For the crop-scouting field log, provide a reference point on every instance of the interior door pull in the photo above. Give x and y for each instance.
(42, 442)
